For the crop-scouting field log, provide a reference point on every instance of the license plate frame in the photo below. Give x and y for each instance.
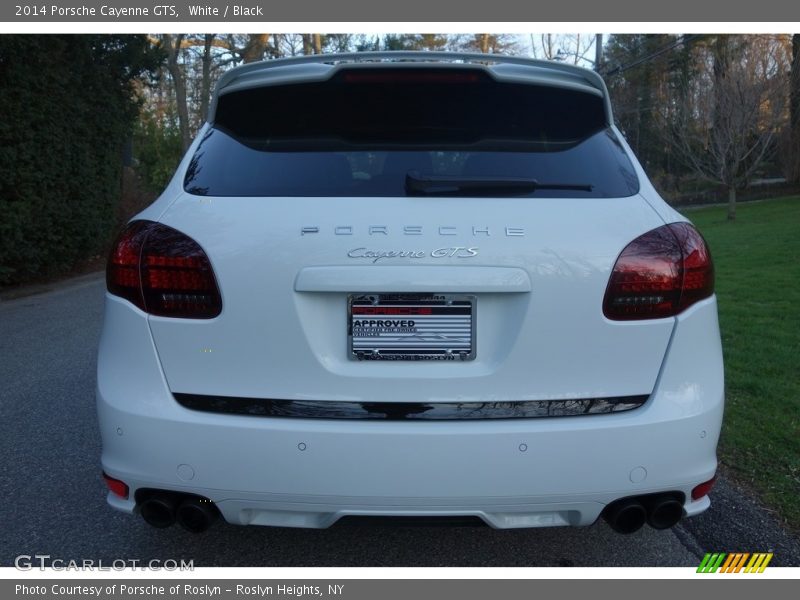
(418, 327)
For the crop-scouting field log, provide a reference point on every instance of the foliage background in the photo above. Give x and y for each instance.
(69, 107)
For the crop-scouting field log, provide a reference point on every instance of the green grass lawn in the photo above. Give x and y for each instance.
(757, 260)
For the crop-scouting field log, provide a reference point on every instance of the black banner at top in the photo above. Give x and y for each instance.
(444, 11)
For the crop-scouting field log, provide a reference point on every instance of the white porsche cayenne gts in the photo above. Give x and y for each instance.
(410, 285)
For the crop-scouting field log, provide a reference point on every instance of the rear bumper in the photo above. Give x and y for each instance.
(510, 473)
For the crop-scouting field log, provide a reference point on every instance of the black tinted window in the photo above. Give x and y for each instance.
(360, 136)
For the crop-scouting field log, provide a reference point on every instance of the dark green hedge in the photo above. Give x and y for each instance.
(68, 105)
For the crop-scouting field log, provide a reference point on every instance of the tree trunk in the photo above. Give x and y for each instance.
(794, 110)
(719, 135)
(721, 51)
(255, 48)
(317, 43)
(172, 44)
(548, 46)
(598, 51)
(306, 43)
(483, 42)
(205, 84)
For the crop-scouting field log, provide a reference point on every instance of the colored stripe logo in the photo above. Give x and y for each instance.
(736, 562)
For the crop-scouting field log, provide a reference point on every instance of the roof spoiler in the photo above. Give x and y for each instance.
(269, 68)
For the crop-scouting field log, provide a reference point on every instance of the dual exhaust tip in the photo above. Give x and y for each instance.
(193, 513)
(660, 511)
(196, 514)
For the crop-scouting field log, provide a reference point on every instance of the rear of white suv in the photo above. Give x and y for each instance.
(433, 285)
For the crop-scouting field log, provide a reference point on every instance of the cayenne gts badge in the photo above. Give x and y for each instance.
(450, 252)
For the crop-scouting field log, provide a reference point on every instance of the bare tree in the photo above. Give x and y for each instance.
(549, 46)
(738, 106)
(569, 47)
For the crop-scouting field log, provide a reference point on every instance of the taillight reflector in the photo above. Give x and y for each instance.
(660, 274)
(703, 489)
(117, 487)
(164, 272)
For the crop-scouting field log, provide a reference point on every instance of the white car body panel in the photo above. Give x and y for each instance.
(567, 260)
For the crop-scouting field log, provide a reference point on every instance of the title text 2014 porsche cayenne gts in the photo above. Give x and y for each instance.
(410, 284)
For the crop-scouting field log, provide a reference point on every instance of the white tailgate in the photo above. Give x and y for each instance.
(540, 332)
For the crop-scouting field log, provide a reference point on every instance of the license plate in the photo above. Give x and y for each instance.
(411, 327)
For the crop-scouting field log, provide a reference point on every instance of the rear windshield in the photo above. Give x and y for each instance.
(365, 132)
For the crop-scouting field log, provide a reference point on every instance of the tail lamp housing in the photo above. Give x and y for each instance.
(164, 272)
(660, 274)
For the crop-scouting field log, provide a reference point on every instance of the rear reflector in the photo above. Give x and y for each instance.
(703, 489)
(659, 274)
(164, 272)
(117, 487)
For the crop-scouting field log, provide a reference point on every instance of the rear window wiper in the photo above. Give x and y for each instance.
(443, 185)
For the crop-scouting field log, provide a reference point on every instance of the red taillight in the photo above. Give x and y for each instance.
(698, 268)
(122, 273)
(659, 274)
(164, 272)
(117, 487)
(703, 489)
